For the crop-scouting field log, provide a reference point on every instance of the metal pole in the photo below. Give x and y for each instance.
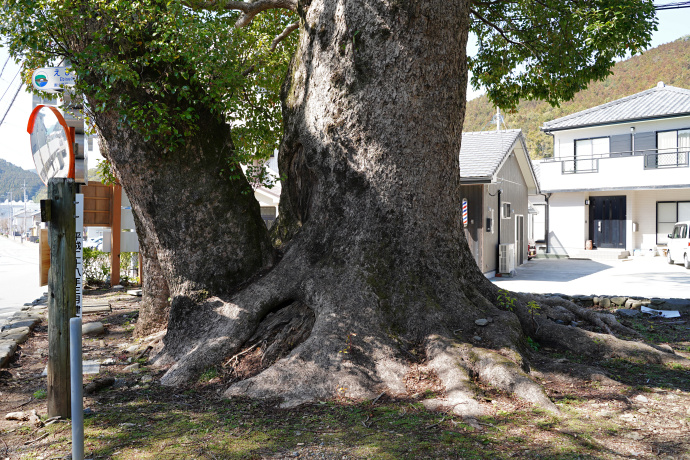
(11, 214)
(75, 353)
(24, 230)
(76, 384)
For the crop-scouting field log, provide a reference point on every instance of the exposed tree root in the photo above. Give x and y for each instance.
(507, 376)
(554, 307)
(312, 339)
(275, 337)
(447, 361)
(598, 346)
(217, 327)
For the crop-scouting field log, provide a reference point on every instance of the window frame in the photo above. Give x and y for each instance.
(504, 205)
(594, 160)
(656, 217)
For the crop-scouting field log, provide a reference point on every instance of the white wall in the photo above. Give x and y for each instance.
(617, 172)
(564, 141)
(621, 172)
(567, 222)
(569, 218)
(644, 213)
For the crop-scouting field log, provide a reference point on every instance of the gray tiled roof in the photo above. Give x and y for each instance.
(482, 152)
(660, 101)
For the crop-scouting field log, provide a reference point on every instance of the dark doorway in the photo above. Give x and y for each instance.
(607, 221)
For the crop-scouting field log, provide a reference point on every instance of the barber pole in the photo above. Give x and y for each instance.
(464, 212)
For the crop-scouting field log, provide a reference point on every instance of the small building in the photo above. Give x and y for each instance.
(618, 180)
(27, 222)
(496, 178)
(268, 196)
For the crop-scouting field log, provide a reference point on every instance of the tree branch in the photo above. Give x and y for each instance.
(500, 30)
(250, 9)
(490, 3)
(288, 30)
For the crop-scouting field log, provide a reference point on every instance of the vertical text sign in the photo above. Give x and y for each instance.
(79, 233)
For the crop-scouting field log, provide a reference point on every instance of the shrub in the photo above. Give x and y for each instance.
(96, 265)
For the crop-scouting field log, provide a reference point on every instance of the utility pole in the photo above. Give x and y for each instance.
(11, 214)
(24, 229)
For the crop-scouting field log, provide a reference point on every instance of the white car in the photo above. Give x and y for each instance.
(679, 244)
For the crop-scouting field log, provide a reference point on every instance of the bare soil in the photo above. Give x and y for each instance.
(611, 409)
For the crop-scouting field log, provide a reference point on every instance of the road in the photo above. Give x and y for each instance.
(18, 275)
(636, 277)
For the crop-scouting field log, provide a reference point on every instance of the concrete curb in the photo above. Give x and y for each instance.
(17, 328)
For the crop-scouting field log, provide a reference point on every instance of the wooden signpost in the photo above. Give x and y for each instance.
(53, 149)
(61, 293)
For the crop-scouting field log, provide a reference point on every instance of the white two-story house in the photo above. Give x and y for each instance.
(619, 177)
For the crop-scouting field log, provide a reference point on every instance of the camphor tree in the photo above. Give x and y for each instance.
(371, 272)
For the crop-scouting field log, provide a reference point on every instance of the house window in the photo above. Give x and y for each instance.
(505, 210)
(667, 214)
(587, 154)
(672, 150)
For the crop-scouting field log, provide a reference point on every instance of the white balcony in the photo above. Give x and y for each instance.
(616, 171)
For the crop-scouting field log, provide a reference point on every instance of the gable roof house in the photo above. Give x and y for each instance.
(618, 180)
(496, 177)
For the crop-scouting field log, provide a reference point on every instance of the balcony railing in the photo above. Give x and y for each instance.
(580, 165)
(653, 159)
(665, 159)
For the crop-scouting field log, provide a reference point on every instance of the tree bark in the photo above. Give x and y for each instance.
(204, 223)
(154, 307)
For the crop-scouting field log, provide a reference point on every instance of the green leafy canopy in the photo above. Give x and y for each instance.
(181, 59)
(551, 49)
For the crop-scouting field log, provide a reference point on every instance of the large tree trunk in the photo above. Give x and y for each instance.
(370, 217)
(200, 226)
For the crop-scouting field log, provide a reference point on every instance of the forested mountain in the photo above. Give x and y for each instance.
(12, 179)
(669, 63)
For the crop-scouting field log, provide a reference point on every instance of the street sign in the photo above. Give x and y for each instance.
(51, 143)
(53, 79)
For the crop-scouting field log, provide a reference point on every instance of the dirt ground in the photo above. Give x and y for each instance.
(610, 409)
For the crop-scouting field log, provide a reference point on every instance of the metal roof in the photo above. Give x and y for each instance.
(659, 102)
(482, 152)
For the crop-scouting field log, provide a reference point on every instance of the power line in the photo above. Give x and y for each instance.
(672, 6)
(5, 65)
(9, 86)
(11, 104)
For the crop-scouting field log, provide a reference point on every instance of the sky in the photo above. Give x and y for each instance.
(14, 140)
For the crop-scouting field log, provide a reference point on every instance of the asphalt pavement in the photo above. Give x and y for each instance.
(18, 275)
(642, 276)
